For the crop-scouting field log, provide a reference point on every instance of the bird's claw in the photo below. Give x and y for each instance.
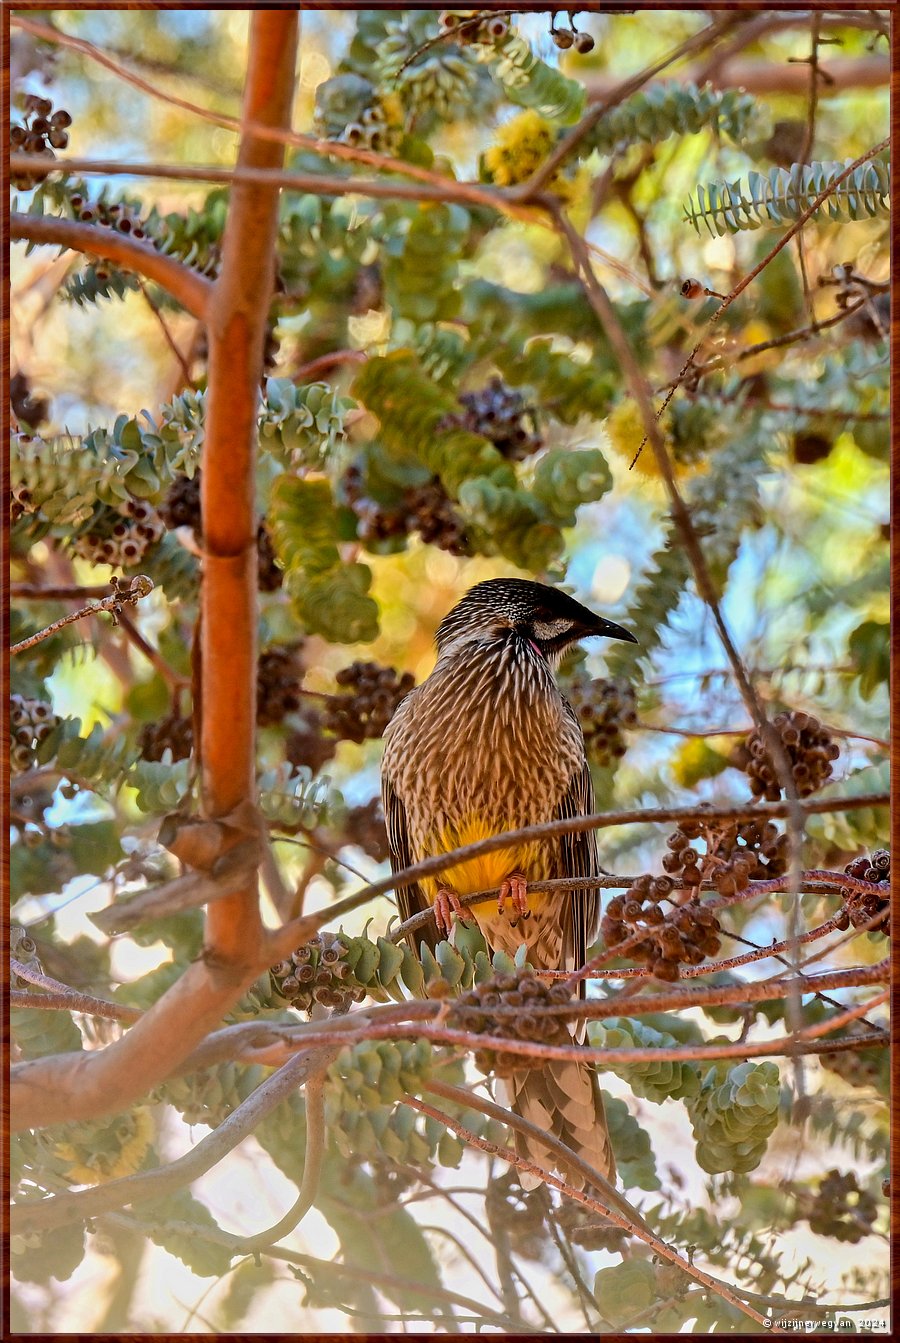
(446, 906)
(514, 888)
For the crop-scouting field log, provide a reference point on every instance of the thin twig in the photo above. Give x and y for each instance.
(259, 130)
(289, 937)
(141, 586)
(783, 241)
(743, 731)
(815, 881)
(66, 998)
(167, 334)
(699, 371)
(315, 368)
(33, 592)
(661, 1248)
(470, 1100)
(640, 391)
(435, 189)
(802, 1041)
(815, 74)
(153, 655)
(312, 1169)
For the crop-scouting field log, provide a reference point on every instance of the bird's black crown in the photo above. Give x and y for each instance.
(551, 620)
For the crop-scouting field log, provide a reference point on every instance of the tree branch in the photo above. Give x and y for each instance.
(189, 288)
(171, 897)
(640, 390)
(62, 1088)
(387, 1024)
(436, 188)
(291, 935)
(775, 343)
(236, 327)
(63, 1209)
(748, 279)
(261, 128)
(761, 76)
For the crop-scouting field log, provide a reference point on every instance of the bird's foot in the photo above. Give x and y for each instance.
(514, 888)
(446, 906)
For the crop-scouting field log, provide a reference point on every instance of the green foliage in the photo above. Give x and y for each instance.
(37, 1033)
(632, 1146)
(564, 479)
(66, 477)
(209, 1096)
(301, 426)
(410, 407)
(403, 1249)
(782, 194)
(379, 1073)
(653, 604)
(568, 388)
(869, 649)
(655, 1080)
(861, 827)
(96, 759)
(859, 1133)
(665, 109)
(290, 797)
(504, 515)
(734, 1115)
(140, 457)
(93, 282)
(513, 523)
(330, 597)
(40, 863)
(529, 82)
(421, 263)
(177, 1223)
(490, 309)
(50, 1254)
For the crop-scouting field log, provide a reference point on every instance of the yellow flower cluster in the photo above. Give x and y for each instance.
(390, 105)
(625, 427)
(522, 145)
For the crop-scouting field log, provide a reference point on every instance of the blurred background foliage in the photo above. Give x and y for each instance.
(441, 406)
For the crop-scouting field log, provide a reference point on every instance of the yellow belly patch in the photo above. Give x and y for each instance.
(488, 871)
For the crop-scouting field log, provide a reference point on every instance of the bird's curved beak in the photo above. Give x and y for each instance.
(608, 629)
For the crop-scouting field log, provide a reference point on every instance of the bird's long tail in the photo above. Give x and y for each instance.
(562, 1098)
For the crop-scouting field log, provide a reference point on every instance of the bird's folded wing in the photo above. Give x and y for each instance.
(578, 858)
(410, 899)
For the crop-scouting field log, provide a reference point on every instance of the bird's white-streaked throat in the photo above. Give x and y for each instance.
(495, 700)
(508, 666)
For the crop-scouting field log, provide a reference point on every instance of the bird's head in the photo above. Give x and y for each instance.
(542, 618)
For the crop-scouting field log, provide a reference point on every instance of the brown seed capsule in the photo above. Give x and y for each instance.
(692, 289)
